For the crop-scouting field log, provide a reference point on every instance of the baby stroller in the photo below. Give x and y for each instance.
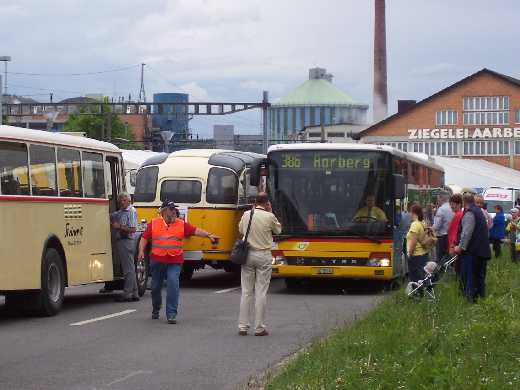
(433, 271)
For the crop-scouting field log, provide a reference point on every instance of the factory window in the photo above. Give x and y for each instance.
(490, 148)
(486, 110)
(517, 147)
(446, 117)
(517, 116)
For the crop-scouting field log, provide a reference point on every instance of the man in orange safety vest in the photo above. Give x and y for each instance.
(166, 234)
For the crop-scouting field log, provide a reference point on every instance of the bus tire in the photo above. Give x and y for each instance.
(50, 298)
(141, 274)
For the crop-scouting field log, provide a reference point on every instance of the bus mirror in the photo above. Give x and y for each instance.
(255, 172)
(399, 186)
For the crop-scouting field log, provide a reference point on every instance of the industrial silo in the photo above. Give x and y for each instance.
(171, 121)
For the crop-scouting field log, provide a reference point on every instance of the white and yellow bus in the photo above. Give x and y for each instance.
(56, 195)
(320, 193)
(212, 188)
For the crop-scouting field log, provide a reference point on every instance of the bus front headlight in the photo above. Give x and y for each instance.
(379, 260)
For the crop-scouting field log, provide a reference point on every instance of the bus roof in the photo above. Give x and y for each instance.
(355, 146)
(13, 133)
(233, 159)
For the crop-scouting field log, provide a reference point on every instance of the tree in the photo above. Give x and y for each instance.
(97, 126)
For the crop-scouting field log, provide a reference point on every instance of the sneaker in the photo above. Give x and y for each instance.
(242, 332)
(155, 316)
(262, 333)
(172, 320)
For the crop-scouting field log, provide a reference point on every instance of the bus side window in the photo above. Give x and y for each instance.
(14, 169)
(69, 173)
(43, 170)
(93, 174)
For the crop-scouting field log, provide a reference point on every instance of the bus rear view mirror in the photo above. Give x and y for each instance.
(399, 186)
(257, 170)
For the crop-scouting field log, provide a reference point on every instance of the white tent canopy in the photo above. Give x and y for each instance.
(471, 173)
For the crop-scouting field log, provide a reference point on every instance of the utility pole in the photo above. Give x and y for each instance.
(142, 94)
(265, 104)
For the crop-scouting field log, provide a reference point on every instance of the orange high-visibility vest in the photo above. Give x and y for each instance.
(167, 240)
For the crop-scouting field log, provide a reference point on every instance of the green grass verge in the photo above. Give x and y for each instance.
(406, 344)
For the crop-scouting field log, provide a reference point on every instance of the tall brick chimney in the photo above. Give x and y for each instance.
(380, 101)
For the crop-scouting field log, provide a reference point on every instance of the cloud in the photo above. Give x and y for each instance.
(230, 50)
(436, 69)
(196, 92)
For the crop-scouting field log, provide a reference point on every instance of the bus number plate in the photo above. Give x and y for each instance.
(325, 271)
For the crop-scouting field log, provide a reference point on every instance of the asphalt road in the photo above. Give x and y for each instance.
(132, 351)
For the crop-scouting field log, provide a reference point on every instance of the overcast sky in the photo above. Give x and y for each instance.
(232, 50)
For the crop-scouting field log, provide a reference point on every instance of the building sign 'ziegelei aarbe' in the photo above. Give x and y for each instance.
(465, 133)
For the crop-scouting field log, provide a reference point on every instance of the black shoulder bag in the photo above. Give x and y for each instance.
(241, 247)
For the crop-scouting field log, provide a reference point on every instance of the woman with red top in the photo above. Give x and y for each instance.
(453, 228)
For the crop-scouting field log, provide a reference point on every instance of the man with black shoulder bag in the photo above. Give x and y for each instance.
(260, 224)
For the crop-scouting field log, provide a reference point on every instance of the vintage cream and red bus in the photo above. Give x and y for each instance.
(340, 207)
(56, 194)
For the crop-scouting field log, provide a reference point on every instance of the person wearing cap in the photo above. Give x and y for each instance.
(512, 229)
(166, 234)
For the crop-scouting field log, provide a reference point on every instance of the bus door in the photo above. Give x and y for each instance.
(113, 172)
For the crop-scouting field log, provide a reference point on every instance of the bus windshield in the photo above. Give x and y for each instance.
(332, 192)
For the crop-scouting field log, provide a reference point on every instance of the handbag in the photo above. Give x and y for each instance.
(241, 247)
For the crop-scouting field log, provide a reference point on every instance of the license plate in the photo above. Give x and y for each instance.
(325, 271)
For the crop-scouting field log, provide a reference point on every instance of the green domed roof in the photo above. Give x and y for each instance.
(316, 92)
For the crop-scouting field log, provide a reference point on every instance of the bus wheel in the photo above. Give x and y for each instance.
(50, 297)
(141, 274)
(186, 273)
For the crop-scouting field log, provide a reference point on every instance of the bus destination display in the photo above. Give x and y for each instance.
(327, 161)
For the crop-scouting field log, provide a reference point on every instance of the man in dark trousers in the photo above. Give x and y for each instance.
(473, 249)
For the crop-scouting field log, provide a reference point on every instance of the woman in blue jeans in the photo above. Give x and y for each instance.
(417, 253)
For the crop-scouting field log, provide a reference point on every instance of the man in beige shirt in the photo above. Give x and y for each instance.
(256, 273)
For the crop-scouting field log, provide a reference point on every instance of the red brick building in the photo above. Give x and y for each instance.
(477, 117)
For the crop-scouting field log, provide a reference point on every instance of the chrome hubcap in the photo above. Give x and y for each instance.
(54, 283)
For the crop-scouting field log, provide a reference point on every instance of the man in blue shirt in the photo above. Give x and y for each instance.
(124, 222)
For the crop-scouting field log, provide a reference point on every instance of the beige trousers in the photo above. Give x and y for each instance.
(255, 278)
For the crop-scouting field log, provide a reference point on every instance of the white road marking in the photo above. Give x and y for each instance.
(227, 290)
(131, 375)
(121, 313)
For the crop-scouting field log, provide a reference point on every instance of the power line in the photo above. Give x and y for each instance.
(76, 74)
(44, 89)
